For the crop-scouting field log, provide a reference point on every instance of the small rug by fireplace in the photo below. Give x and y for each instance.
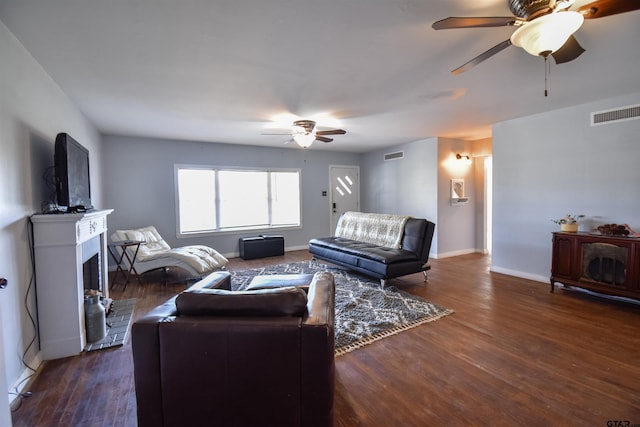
(118, 325)
(365, 312)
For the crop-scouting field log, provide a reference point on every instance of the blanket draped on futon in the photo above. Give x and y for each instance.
(378, 229)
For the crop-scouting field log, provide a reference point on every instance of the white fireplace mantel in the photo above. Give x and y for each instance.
(61, 243)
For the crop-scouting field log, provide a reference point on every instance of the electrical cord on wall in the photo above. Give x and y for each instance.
(20, 395)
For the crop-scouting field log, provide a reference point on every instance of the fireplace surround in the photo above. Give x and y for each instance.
(70, 258)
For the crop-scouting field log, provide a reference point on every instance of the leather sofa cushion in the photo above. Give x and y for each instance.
(365, 250)
(288, 301)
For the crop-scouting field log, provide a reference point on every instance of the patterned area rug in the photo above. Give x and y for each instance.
(365, 312)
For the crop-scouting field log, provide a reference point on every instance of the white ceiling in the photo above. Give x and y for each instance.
(222, 70)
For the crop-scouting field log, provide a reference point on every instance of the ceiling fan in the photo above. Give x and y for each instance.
(304, 133)
(544, 27)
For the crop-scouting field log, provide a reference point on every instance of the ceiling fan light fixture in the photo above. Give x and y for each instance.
(548, 33)
(304, 139)
(302, 132)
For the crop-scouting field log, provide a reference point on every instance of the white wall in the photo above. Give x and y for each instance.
(407, 186)
(555, 163)
(456, 223)
(139, 185)
(420, 185)
(33, 110)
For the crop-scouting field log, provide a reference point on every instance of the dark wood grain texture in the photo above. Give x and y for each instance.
(511, 354)
(606, 264)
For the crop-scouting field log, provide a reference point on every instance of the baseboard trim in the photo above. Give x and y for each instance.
(454, 253)
(24, 379)
(520, 274)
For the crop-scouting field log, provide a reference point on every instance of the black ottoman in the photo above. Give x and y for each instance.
(261, 246)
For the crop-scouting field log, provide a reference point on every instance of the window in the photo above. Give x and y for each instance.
(213, 199)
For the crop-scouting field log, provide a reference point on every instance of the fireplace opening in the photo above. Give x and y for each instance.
(605, 263)
(96, 306)
(91, 265)
(91, 273)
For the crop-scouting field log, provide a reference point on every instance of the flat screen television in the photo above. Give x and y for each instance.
(73, 187)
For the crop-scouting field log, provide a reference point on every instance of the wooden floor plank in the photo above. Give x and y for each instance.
(512, 353)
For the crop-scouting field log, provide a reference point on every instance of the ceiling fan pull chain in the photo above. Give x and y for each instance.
(547, 70)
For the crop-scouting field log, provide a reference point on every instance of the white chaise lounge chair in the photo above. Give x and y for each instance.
(155, 253)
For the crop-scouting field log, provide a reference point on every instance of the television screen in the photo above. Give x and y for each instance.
(73, 188)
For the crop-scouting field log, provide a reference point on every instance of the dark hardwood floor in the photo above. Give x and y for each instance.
(511, 354)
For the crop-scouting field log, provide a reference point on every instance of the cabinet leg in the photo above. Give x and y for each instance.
(552, 286)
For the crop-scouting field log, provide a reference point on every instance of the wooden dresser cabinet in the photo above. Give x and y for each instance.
(605, 264)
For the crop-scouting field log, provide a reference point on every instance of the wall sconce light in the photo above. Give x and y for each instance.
(460, 157)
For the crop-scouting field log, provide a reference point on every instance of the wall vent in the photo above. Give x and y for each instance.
(394, 156)
(623, 114)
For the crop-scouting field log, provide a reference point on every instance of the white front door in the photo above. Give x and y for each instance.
(345, 191)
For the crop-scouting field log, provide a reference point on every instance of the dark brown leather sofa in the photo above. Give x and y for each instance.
(213, 357)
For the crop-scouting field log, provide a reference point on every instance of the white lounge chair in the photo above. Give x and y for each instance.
(155, 253)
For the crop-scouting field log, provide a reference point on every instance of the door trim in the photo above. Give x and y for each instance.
(356, 168)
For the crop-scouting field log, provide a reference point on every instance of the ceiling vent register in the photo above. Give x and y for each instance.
(394, 156)
(623, 114)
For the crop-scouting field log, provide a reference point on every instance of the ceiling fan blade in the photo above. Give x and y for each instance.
(602, 8)
(323, 139)
(482, 57)
(331, 132)
(462, 22)
(568, 52)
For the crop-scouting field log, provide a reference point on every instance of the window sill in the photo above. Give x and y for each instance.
(238, 231)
